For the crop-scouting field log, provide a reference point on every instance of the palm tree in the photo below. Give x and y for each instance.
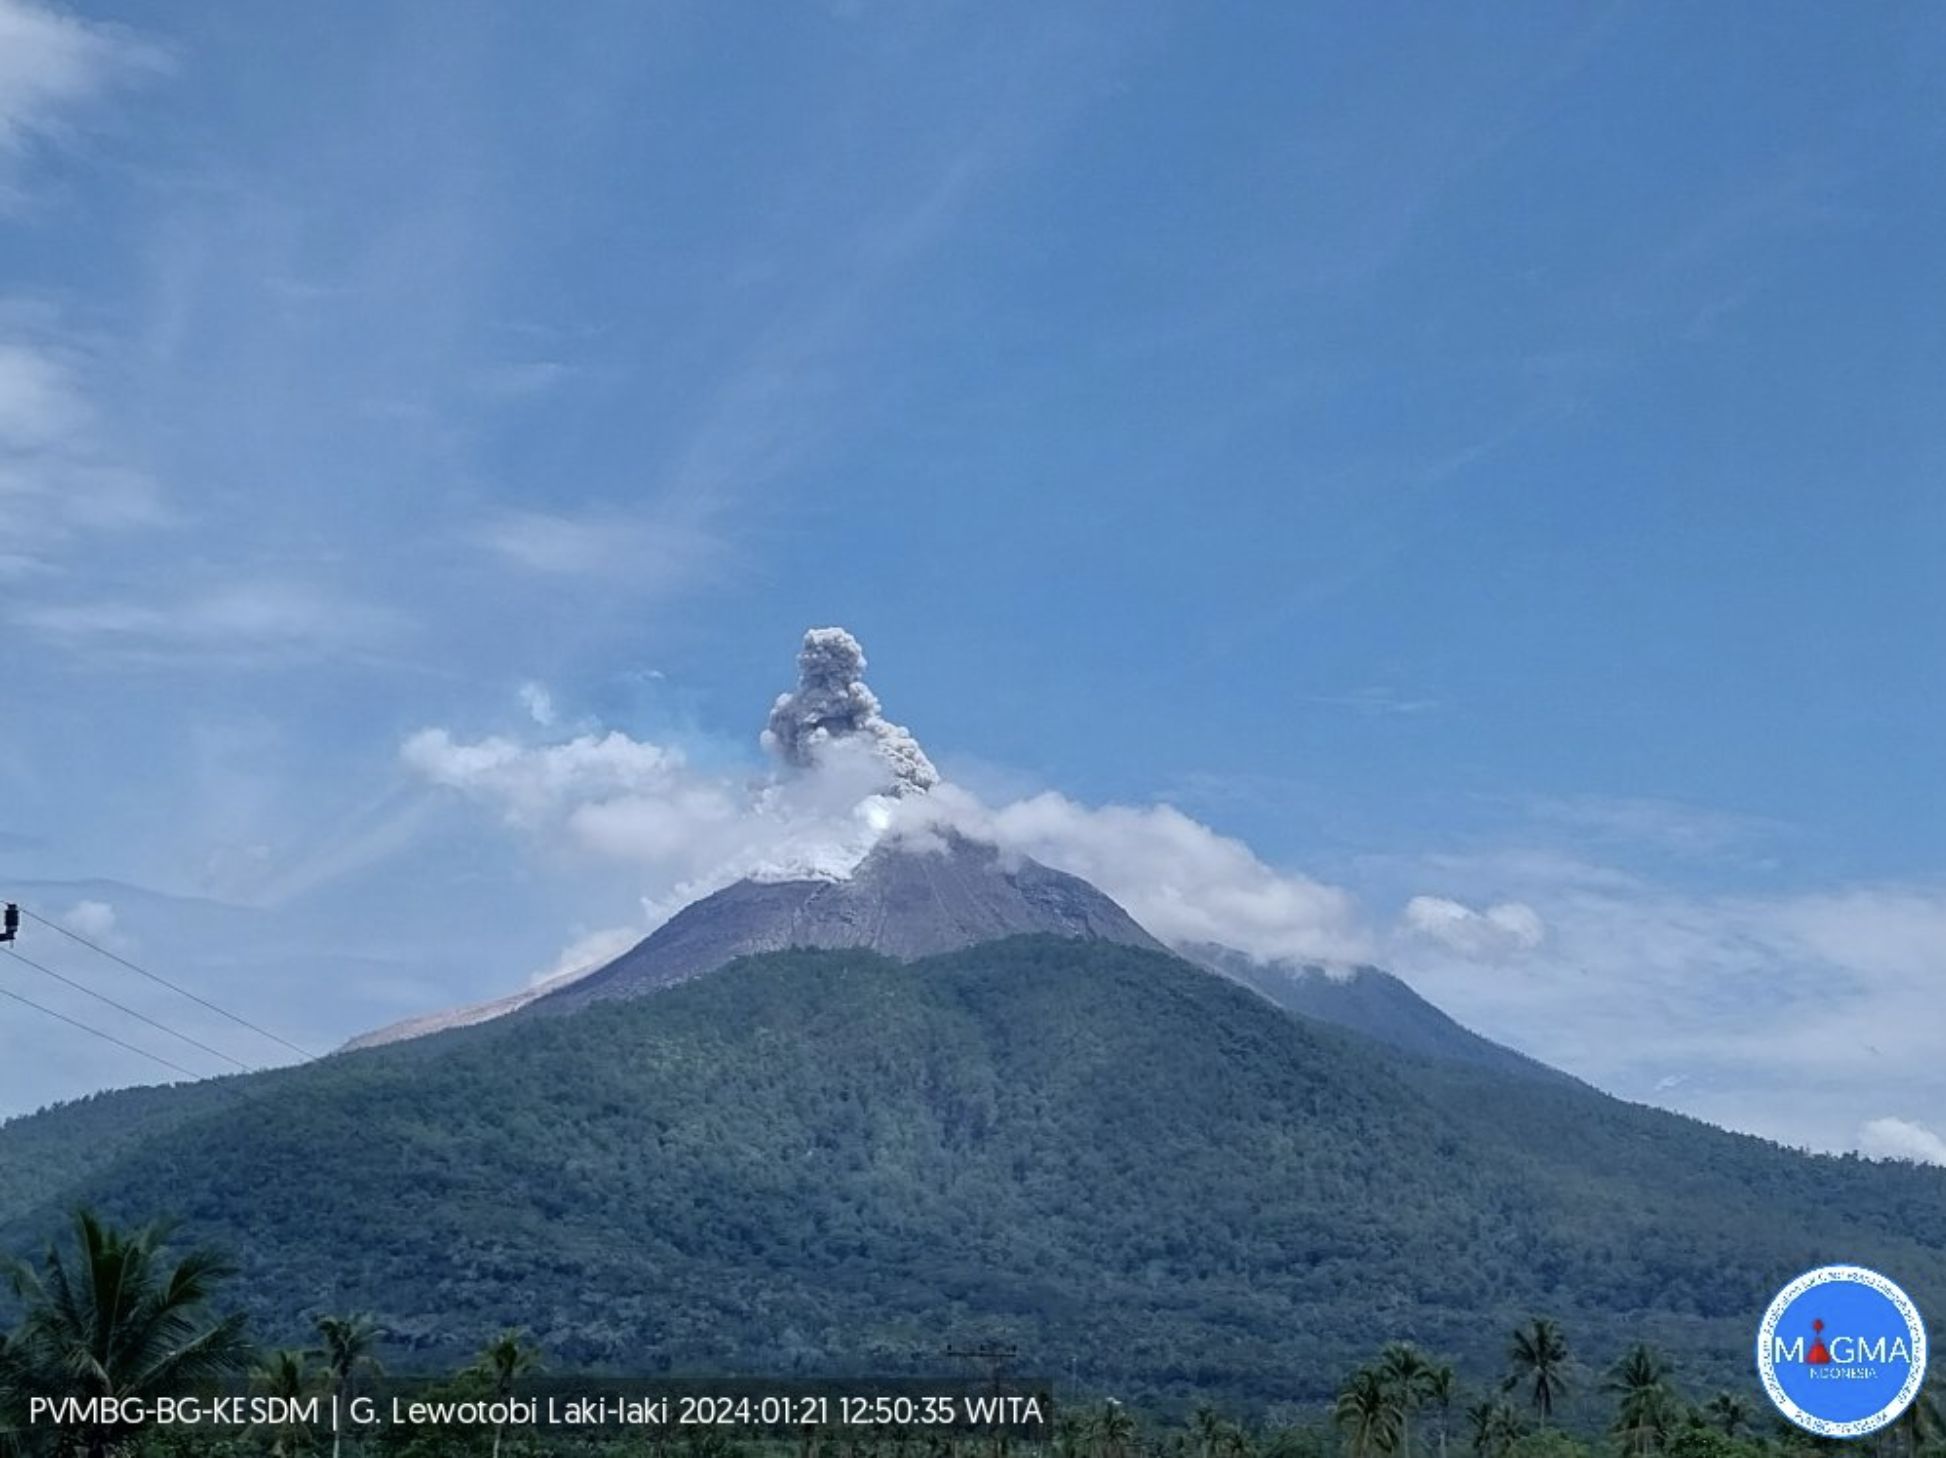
(346, 1344)
(1496, 1428)
(1509, 1427)
(286, 1374)
(1479, 1418)
(1729, 1412)
(11, 1395)
(1208, 1424)
(1407, 1377)
(115, 1323)
(1441, 1387)
(1114, 1430)
(1641, 1380)
(1920, 1421)
(503, 1362)
(1367, 1412)
(1070, 1435)
(1538, 1355)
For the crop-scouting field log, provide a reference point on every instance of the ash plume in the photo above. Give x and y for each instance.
(831, 705)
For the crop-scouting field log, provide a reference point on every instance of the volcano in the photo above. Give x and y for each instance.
(904, 901)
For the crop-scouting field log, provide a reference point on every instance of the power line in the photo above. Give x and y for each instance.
(165, 982)
(107, 1037)
(124, 1008)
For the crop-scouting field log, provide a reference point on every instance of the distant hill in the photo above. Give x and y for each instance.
(1367, 1001)
(1152, 1179)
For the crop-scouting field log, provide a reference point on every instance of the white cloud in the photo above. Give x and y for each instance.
(94, 920)
(1787, 1015)
(1901, 1139)
(1180, 879)
(1670, 825)
(41, 402)
(58, 476)
(51, 62)
(538, 703)
(689, 831)
(1504, 930)
(623, 799)
(533, 784)
(244, 621)
(650, 552)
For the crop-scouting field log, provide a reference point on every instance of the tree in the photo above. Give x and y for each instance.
(1407, 1377)
(1729, 1412)
(1920, 1422)
(1496, 1426)
(346, 1344)
(1070, 1434)
(1645, 1407)
(1547, 1443)
(11, 1395)
(1479, 1418)
(117, 1321)
(1538, 1355)
(1114, 1430)
(503, 1362)
(1441, 1387)
(1366, 1411)
(1208, 1424)
(286, 1374)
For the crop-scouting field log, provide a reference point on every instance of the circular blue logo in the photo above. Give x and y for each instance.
(1842, 1351)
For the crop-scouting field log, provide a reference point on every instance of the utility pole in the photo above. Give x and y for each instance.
(996, 1357)
(10, 925)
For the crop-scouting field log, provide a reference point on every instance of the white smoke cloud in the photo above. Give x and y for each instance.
(1901, 1139)
(831, 703)
(1502, 931)
(1176, 876)
(832, 800)
(587, 952)
(643, 803)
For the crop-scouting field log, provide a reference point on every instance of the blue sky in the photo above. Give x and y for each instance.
(1490, 457)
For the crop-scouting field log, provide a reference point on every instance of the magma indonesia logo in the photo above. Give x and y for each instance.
(1842, 1351)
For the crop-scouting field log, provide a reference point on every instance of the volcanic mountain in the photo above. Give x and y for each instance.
(921, 897)
(904, 901)
(943, 1092)
(1151, 1180)
(907, 899)
(925, 889)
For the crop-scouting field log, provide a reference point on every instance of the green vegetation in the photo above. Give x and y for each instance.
(1150, 1180)
(116, 1319)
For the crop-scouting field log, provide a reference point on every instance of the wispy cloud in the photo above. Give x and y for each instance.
(653, 552)
(51, 62)
(1787, 1014)
(1670, 825)
(247, 622)
(1377, 700)
(60, 475)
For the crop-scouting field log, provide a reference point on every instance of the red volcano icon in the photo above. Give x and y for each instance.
(1818, 1355)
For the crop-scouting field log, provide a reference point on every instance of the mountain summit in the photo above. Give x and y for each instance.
(906, 900)
(909, 898)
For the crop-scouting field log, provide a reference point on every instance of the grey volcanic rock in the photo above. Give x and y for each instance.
(903, 901)
(1371, 1002)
